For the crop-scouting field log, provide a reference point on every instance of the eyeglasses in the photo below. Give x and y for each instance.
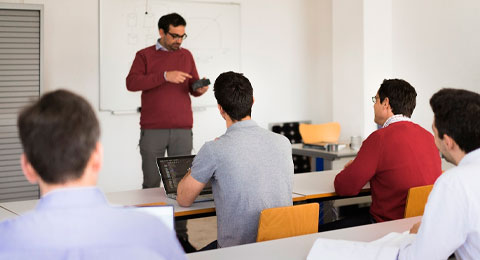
(176, 36)
(374, 100)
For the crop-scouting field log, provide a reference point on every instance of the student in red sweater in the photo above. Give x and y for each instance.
(393, 159)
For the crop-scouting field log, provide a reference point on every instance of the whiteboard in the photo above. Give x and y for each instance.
(127, 26)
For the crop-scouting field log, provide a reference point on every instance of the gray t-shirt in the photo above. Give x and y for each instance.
(251, 169)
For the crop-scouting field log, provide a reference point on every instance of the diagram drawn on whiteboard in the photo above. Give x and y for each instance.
(127, 26)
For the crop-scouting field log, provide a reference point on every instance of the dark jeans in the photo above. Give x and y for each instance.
(153, 143)
(351, 221)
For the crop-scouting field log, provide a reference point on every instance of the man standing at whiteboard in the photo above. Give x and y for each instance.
(165, 72)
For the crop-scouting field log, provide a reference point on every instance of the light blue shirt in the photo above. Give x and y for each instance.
(78, 223)
(158, 46)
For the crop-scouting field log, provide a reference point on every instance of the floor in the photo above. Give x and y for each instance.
(202, 231)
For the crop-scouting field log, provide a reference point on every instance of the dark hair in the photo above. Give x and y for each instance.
(401, 96)
(456, 113)
(172, 19)
(59, 133)
(234, 94)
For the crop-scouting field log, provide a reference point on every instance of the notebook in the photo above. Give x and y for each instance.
(172, 169)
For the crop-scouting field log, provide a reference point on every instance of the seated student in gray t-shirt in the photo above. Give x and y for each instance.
(251, 168)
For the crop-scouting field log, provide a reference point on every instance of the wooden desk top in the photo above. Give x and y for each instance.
(306, 186)
(153, 196)
(297, 248)
(137, 197)
(317, 185)
(127, 198)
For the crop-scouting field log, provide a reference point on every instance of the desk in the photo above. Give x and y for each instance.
(130, 198)
(293, 248)
(5, 214)
(137, 197)
(306, 186)
(319, 185)
(328, 157)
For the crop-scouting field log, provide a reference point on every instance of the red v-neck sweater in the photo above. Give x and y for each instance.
(394, 159)
(165, 105)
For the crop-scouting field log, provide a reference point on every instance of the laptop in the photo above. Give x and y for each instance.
(172, 169)
(330, 147)
(164, 213)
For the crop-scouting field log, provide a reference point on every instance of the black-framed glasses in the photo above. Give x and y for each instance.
(176, 36)
(374, 100)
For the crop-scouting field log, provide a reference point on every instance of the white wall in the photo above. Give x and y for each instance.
(307, 60)
(436, 45)
(377, 48)
(290, 76)
(430, 43)
(348, 58)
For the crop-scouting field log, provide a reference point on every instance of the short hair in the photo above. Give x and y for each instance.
(58, 133)
(234, 94)
(401, 96)
(172, 19)
(456, 113)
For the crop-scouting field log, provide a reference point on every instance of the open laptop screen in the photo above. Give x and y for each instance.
(164, 213)
(172, 169)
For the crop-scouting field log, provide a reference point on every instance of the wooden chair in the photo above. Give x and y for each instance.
(315, 133)
(275, 223)
(416, 199)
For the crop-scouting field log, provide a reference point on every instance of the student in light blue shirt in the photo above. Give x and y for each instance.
(73, 220)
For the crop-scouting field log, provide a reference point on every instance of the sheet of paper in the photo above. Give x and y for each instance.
(384, 248)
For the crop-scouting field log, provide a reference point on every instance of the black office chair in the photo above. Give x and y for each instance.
(290, 130)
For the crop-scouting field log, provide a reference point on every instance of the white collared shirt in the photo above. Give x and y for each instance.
(451, 222)
(396, 118)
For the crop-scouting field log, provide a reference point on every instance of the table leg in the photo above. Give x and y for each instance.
(327, 164)
(313, 164)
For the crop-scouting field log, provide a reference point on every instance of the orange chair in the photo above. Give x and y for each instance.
(416, 200)
(275, 223)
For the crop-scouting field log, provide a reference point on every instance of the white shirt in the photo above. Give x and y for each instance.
(451, 222)
(396, 118)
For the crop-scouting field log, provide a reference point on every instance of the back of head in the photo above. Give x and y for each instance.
(456, 113)
(58, 133)
(234, 94)
(172, 19)
(401, 96)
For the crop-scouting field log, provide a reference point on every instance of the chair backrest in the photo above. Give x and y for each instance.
(416, 199)
(275, 223)
(314, 133)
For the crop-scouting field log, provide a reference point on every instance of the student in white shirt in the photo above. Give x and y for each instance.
(451, 222)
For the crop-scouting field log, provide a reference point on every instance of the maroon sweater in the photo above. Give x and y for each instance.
(394, 159)
(165, 105)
